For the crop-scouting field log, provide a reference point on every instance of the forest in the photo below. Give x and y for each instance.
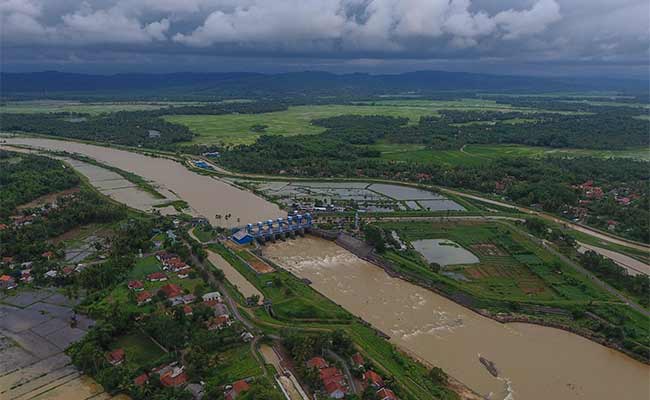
(136, 128)
(25, 177)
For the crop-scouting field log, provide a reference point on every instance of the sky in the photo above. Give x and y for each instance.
(529, 37)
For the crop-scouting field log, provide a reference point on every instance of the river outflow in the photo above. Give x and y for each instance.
(534, 362)
(206, 195)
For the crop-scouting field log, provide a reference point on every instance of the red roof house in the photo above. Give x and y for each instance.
(157, 277)
(358, 360)
(171, 290)
(136, 286)
(373, 379)
(140, 380)
(237, 388)
(174, 378)
(116, 357)
(144, 298)
(317, 362)
(386, 394)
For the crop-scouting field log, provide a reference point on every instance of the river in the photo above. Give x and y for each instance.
(206, 195)
(535, 362)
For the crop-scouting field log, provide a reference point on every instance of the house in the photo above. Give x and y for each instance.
(157, 277)
(26, 276)
(358, 361)
(245, 336)
(184, 274)
(7, 282)
(171, 235)
(373, 379)
(7, 260)
(196, 389)
(140, 380)
(333, 382)
(187, 310)
(3, 227)
(218, 323)
(68, 270)
(136, 286)
(211, 296)
(317, 362)
(611, 225)
(335, 390)
(163, 256)
(236, 389)
(51, 274)
(144, 298)
(174, 378)
(386, 394)
(171, 290)
(48, 255)
(116, 357)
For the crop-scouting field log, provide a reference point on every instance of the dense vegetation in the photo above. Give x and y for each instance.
(343, 151)
(136, 128)
(25, 177)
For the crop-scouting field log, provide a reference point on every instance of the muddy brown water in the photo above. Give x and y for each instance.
(207, 196)
(534, 362)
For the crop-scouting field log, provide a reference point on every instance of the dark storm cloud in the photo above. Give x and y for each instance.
(353, 32)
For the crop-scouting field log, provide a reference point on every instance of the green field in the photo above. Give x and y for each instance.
(477, 154)
(144, 267)
(236, 128)
(138, 348)
(235, 364)
(510, 267)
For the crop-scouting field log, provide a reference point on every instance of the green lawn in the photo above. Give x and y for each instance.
(235, 364)
(139, 348)
(144, 267)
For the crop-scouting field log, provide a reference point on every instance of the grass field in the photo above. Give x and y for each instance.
(236, 128)
(477, 154)
(235, 364)
(144, 267)
(138, 348)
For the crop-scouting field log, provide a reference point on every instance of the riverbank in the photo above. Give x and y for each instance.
(450, 336)
(366, 252)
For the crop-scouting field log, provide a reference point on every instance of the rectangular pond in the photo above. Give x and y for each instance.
(444, 252)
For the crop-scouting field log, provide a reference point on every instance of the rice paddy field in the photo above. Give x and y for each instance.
(477, 154)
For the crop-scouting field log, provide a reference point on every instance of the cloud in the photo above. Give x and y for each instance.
(525, 30)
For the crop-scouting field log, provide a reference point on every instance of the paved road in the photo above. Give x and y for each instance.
(346, 369)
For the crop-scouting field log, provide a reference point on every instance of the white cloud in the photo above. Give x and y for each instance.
(542, 29)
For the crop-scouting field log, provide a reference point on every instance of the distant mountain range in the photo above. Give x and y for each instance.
(52, 83)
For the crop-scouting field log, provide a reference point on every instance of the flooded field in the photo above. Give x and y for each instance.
(534, 362)
(444, 252)
(364, 196)
(34, 331)
(206, 195)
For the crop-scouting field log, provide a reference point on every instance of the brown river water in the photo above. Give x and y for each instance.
(534, 362)
(207, 196)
